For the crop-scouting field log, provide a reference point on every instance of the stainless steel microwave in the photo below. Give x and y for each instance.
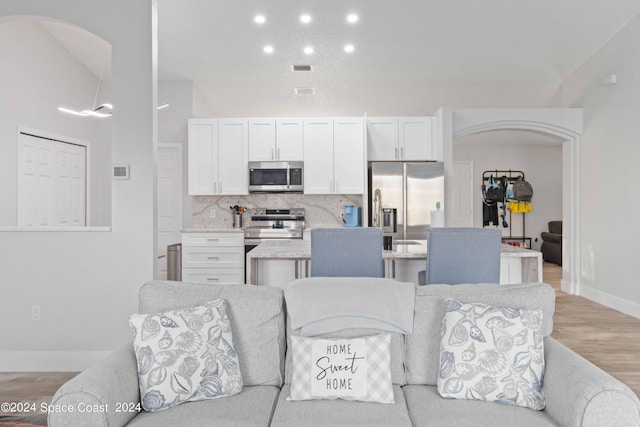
(277, 177)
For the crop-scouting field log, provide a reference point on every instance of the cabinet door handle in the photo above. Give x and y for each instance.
(401, 153)
(273, 154)
(213, 240)
(396, 153)
(212, 279)
(278, 154)
(213, 258)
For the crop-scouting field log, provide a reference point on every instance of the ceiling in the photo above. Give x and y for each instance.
(216, 43)
(468, 43)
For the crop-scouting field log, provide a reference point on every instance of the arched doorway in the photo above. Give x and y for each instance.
(562, 123)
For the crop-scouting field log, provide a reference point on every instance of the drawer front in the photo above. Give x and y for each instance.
(227, 276)
(213, 257)
(213, 239)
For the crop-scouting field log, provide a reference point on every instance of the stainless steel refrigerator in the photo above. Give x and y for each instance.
(413, 189)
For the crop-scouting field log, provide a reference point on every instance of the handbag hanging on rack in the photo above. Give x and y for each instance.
(494, 192)
(522, 190)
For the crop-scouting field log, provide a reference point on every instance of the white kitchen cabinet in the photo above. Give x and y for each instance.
(289, 139)
(401, 138)
(334, 156)
(382, 138)
(213, 257)
(233, 160)
(203, 166)
(218, 156)
(349, 164)
(318, 156)
(275, 139)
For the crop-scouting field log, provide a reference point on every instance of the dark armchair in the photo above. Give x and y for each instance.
(552, 243)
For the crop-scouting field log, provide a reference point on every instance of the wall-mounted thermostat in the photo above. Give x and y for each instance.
(120, 171)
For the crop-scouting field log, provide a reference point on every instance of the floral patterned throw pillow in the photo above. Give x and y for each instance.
(185, 355)
(492, 353)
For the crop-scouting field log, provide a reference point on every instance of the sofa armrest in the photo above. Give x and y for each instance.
(106, 394)
(578, 393)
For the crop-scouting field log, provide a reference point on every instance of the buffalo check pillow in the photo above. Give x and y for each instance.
(492, 353)
(349, 369)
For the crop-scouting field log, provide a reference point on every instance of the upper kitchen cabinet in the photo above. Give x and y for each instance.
(275, 139)
(218, 156)
(334, 156)
(401, 138)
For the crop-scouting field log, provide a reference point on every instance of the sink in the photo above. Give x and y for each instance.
(406, 242)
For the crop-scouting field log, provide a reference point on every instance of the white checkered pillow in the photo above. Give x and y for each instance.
(348, 369)
(492, 353)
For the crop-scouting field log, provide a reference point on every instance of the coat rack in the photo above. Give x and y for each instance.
(499, 176)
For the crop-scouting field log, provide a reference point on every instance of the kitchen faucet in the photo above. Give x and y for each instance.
(377, 208)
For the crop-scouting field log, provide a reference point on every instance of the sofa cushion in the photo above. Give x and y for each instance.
(397, 339)
(185, 355)
(492, 353)
(362, 369)
(427, 408)
(422, 358)
(220, 412)
(256, 313)
(340, 412)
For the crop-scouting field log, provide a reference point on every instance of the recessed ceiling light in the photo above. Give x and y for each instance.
(259, 19)
(349, 48)
(352, 18)
(308, 50)
(268, 49)
(305, 18)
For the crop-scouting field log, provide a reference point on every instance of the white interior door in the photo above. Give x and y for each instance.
(462, 204)
(169, 202)
(52, 182)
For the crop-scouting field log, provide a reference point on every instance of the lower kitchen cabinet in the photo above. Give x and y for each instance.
(213, 257)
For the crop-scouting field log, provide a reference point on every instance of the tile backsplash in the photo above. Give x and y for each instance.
(320, 211)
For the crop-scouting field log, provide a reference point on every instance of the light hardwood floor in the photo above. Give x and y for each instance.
(607, 338)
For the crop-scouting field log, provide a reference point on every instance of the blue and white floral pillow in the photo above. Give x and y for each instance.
(185, 355)
(492, 354)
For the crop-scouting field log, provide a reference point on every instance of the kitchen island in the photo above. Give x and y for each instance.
(278, 262)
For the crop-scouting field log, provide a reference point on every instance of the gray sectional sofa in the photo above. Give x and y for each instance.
(577, 393)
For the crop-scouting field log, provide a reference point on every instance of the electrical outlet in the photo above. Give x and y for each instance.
(212, 213)
(35, 312)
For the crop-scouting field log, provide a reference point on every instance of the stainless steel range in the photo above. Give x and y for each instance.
(269, 224)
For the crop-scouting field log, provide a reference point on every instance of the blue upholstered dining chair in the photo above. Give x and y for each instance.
(346, 252)
(458, 255)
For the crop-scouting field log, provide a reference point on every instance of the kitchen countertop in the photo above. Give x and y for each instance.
(301, 249)
(213, 230)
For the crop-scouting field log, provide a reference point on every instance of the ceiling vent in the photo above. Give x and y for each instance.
(305, 91)
(301, 68)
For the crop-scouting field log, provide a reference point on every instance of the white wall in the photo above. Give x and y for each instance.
(87, 282)
(38, 76)
(609, 152)
(172, 128)
(541, 163)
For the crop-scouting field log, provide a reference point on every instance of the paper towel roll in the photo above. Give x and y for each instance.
(437, 218)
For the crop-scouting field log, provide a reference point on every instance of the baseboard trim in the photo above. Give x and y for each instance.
(49, 361)
(611, 301)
